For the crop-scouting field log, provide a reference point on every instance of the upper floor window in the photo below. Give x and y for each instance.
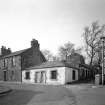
(13, 61)
(54, 74)
(5, 62)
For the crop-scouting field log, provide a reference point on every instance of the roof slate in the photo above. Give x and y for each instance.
(51, 64)
(14, 53)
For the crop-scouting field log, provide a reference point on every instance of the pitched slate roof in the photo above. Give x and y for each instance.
(87, 66)
(15, 53)
(52, 64)
(20, 52)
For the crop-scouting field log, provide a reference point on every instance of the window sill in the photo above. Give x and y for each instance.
(54, 79)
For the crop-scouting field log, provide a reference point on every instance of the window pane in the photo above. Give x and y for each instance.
(27, 75)
(6, 62)
(54, 74)
(13, 61)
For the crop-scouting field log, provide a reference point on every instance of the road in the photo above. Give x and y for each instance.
(88, 95)
(17, 97)
(29, 94)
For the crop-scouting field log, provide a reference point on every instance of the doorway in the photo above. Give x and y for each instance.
(43, 77)
(5, 75)
(40, 77)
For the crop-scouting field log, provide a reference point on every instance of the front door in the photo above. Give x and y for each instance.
(5, 75)
(37, 77)
(43, 77)
(40, 77)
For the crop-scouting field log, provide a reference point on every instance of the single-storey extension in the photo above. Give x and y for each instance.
(53, 72)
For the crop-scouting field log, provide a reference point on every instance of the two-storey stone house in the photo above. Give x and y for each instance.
(12, 64)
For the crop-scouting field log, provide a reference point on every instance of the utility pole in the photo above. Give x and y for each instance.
(103, 40)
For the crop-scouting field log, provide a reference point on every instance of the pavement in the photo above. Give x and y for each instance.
(4, 90)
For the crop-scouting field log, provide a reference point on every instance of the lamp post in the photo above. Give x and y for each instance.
(103, 40)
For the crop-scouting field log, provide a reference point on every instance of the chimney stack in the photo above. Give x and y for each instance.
(5, 51)
(35, 44)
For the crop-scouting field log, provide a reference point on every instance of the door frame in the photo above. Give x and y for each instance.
(5, 75)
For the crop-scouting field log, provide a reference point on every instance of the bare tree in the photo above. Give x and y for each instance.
(91, 37)
(48, 55)
(68, 49)
(78, 50)
(65, 50)
(55, 58)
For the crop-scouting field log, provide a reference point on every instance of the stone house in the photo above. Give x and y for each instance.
(12, 64)
(57, 72)
(76, 59)
(52, 72)
(30, 66)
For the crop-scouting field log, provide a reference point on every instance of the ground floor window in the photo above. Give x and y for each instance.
(27, 75)
(54, 74)
(73, 75)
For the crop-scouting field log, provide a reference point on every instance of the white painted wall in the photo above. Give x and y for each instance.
(31, 80)
(76, 74)
(60, 75)
(64, 75)
(68, 73)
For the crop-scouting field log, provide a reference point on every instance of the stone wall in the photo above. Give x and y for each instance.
(17, 62)
(31, 57)
(13, 72)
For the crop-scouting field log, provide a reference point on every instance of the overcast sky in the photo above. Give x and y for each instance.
(51, 22)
